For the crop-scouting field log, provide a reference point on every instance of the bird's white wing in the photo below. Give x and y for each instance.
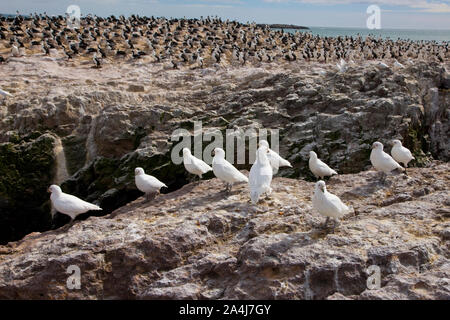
(153, 182)
(252, 175)
(200, 164)
(388, 161)
(70, 204)
(407, 152)
(324, 167)
(273, 159)
(337, 203)
(228, 169)
(276, 160)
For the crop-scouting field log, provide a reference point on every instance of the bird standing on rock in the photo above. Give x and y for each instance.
(260, 176)
(225, 171)
(328, 204)
(381, 161)
(146, 183)
(69, 204)
(401, 154)
(275, 159)
(15, 51)
(318, 167)
(194, 165)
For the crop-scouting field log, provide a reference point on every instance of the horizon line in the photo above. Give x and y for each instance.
(212, 16)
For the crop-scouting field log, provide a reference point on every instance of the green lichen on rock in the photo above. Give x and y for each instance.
(26, 170)
(416, 142)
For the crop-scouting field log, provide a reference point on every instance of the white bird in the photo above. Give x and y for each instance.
(401, 154)
(383, 65)
(147, 183)
(398, 64)
(15, 51)
(5, 93)
(275, 159)
(342, 65)
(69, 204)
(260, 175)
(319, 168)
(225, 171)
(194, 165)
(328, 204)
(381, 161)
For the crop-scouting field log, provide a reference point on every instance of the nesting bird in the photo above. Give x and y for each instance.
(260, 176)
(319, 168)
(69, 204)
(401, 154)
(328, 204)
(225, 171)
(148, 184)
(220, 42)
(194, 165)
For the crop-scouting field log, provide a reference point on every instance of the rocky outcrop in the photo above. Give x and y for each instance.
(200, 243)
(27, 167)
(112, 121)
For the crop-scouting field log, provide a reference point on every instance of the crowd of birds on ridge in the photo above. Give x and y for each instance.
(197, 42)
(259, 180)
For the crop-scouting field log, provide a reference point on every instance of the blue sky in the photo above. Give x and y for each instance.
(403, 14)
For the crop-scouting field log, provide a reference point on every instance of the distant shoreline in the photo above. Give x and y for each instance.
(283, 26)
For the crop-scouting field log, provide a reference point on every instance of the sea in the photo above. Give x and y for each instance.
(393, 34)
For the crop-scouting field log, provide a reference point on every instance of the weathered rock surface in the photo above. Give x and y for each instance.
(198, 243)
(26, 170)
(111, 121)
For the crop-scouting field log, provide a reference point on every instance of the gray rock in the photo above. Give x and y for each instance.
(108, 127)
(199, 243)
